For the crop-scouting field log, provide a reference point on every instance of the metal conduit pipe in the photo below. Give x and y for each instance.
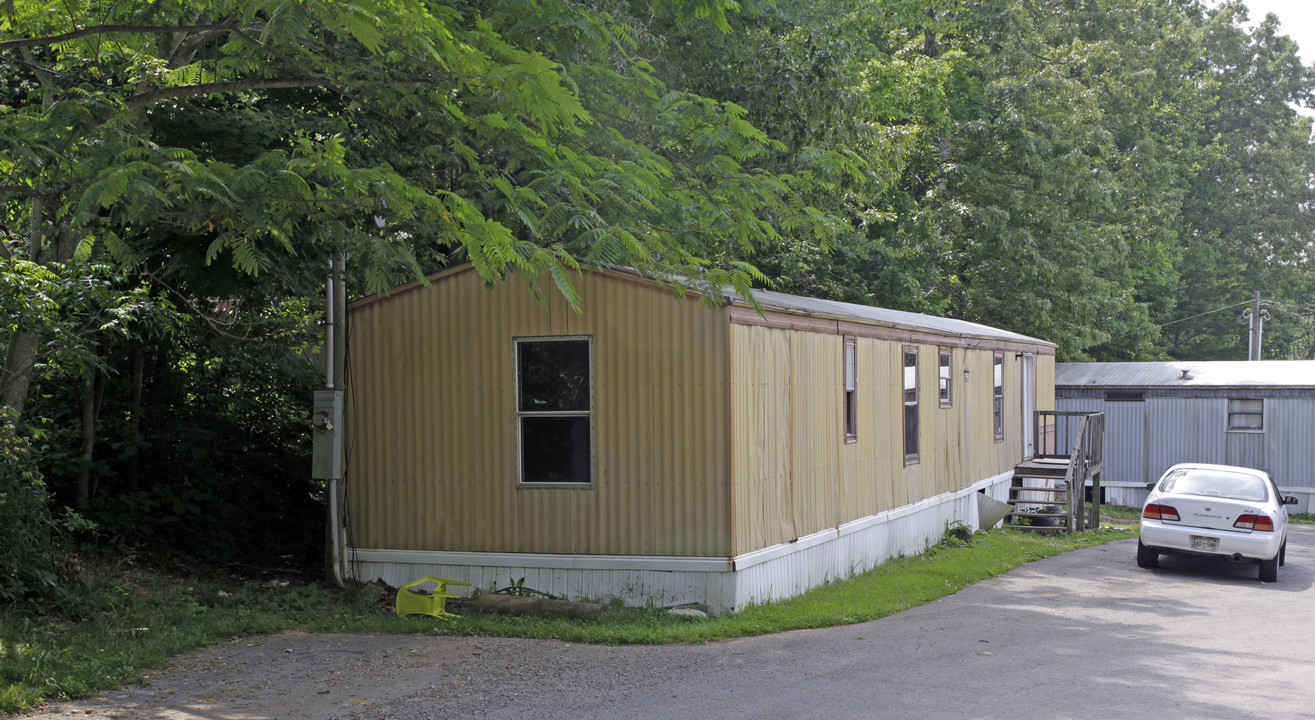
(330, 361)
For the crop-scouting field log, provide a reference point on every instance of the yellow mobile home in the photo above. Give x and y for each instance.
(655, 450)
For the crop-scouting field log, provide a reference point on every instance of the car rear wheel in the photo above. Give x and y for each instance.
(1269, 570)
(1283, 553)
(1147, 557)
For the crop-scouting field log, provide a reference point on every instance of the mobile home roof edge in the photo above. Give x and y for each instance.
(885, 317)
(1189, 374)
(779, 302)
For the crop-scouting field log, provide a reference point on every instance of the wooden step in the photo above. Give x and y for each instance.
(1039, 528)
(1040, 490)
(1041, 468)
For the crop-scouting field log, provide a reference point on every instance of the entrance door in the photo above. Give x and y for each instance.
(1029, 405)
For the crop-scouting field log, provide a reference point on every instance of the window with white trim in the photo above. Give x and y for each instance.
(554, 410)
(1246, 414)
(910, 379)
(851, 390)
(998, 395)
(946, 379)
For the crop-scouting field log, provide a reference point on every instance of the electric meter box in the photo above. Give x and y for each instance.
(326, 424)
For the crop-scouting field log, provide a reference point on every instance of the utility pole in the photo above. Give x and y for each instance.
(1256, 318)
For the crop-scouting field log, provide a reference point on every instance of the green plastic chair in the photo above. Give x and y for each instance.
(410, 602)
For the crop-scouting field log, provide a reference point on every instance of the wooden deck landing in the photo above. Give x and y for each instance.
(1055, 500)
(1043, 467)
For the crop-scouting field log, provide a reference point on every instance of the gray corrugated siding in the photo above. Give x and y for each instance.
(1125, 433)
(1142, 439)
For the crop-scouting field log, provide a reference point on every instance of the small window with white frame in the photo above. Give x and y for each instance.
(910, 397)
(1246, 415)
(946, 378)
(554, 411)
(851, 390)
(998, 396)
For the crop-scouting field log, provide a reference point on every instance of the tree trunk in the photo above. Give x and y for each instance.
(21, 352)
(16, 373)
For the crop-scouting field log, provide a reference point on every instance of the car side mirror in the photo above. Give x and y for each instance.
(1150, 486)
(1289, 500)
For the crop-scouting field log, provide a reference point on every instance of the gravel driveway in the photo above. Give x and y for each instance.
(1086, 634)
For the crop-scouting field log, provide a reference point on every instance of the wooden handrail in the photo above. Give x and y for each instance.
(1085, 456)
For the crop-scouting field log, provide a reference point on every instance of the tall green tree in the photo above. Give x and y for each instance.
(522, 135)
(1248, 218)
(1053, 168)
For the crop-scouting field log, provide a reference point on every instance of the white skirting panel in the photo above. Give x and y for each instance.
(858, 546)
(635, 580)
(1126, 494)
(723, 584)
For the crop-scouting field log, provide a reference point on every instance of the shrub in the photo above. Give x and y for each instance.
(26, 555)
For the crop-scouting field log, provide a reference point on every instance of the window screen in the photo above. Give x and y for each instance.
(851, 390)
(998, 396)
(910, 404)
(1246, 414)
(553, 404)
(946, 375)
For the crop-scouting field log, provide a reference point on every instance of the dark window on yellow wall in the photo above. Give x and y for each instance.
(851, 390)
(910, 377)
(554, 410)
(998, 396)
(946, 379)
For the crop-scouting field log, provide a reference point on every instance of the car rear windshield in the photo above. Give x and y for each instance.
(1215, 483)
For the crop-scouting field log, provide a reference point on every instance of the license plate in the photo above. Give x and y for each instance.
(1204, 544)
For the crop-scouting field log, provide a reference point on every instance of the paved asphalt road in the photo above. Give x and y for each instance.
(1084, 635)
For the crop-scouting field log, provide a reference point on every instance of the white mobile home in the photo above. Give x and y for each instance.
(1257, 414)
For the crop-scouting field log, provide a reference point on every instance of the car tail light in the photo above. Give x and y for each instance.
(1161, 512)
(1259, 523)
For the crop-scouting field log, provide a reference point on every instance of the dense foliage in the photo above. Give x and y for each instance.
(26, 563)
(1093, 172)
(1118, 176)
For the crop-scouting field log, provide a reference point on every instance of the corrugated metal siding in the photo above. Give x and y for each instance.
(794, 473)
(1185, 430)
(1246, 449)
(1144, 439)
(761, 448)
(816, 388)
(1045, 382)
(1008, 452)
(1290, 436)
(1126, 440)
(432, 433)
